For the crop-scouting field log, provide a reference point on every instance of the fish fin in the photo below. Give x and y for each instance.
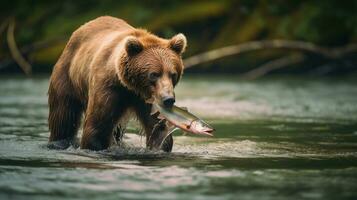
(184, 108)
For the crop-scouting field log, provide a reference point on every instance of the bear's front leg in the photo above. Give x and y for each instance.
(159, 138)
(103, 111)
(156, 130)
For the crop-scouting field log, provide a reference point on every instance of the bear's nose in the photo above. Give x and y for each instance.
(168, 101)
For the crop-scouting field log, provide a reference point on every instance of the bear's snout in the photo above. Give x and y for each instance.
(165, 92)
(168, 101)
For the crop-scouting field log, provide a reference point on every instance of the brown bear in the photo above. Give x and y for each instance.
(108, 69)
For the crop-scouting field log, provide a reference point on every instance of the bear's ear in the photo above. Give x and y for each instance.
(178, 43)
(133, 46)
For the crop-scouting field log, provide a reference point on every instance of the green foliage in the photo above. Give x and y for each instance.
(207, 24)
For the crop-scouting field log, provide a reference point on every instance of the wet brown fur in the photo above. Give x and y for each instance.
(98, 77)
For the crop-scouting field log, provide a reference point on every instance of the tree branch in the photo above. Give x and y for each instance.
(15, 53)
(267, 44)
(273, 65)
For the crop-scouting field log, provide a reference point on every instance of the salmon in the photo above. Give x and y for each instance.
(181, 118)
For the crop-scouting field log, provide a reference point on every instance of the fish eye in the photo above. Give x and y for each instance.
(153, 76)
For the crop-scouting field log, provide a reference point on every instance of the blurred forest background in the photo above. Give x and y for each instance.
(251, 38)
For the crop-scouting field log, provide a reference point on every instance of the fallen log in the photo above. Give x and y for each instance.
(14, 50)
(273, 65)
(309, 47)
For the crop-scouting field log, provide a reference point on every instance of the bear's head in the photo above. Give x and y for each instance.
(152, 66)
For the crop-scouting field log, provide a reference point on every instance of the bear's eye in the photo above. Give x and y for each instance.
(154, 76)
(173, 77)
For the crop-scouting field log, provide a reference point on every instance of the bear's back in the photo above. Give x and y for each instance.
(83, 46)
(99, 26)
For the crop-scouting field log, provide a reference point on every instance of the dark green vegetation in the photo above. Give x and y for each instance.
(276, 139)
(43, 27)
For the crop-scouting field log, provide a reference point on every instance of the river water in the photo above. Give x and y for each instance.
(276, 138)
